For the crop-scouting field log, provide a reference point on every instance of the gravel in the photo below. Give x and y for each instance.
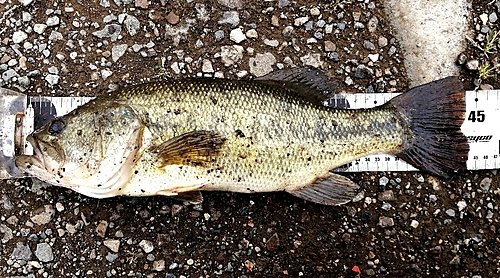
(400, 224)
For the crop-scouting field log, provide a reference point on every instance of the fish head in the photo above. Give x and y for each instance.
(90, 150)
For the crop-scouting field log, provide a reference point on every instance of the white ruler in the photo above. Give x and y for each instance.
(479, 127)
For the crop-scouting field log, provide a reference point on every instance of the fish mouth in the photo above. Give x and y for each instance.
(46, 156)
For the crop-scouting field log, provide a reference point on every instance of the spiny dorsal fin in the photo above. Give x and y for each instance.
(332, 190)
(310, 83)
(195, 148)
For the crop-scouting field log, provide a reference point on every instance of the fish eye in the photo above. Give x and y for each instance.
(57, 126)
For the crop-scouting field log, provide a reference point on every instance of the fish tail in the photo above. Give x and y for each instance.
(434, 114)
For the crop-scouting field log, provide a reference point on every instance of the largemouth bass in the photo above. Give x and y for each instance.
(178, 137)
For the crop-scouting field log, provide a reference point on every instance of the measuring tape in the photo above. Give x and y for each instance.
(20, 115)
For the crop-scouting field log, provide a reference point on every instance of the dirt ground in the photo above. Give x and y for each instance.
(406, 225)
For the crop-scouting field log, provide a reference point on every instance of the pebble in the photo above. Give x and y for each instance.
(358, 25)
(172, 18)
(313, 60)
(334, 56)
(273, 243)
(231, 54)
(112, 244)
(44, 214)
(372, 24)
(52, 21)
(414, 224)
(385, 222)
(44, 252)
(207, 66)
(117, 51)
(485, 185)
(110, 257)
(52, 79)
(450, 212)
(461, 205)
(19, 36)
(27, 17)
(159, 265)
(146, 245)
(105, 3)
(382, 41)
(21, 252)
(287, 31)
(131, 24)
(484, 18)
(219, 35)
(111, 31)
(101, 228)
(190, 262)
(472, 64)
(232, 4)
(173, 266)
(383, 181)
(261, 64)
(300, 21)
(142, 4)
(231, 19)
(25, 2)
(493, 17)
(105, 73)
(368, 45)
(272, 43)
(363, 71)
(374, 57)
(237, 36)
(252, 34)
(330, 46)
(387, 195)
(283, 3)
(6, 233)
(53, 70)
(109, 18)
(9, 74)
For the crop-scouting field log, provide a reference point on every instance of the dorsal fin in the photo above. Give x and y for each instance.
(310, 83)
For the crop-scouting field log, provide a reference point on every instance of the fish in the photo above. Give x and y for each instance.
(179, 137)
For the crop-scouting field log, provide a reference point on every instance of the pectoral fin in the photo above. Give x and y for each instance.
(192, 197)
(196, 148)
(330, 190)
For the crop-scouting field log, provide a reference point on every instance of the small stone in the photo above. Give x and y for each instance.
(330, 46)
(55, 36)
(219, 35)
(414, 224)
(19, 36)
(52, 21)
(387, 195)
(252, 34)
(117, 51)
(368, 45)
(26, 17)
(363, 71)
(485, 185)
(21, 252)
(315, 11)
(112, 244)
(101, 228)
(385, 222)
(275, 21)
(287, 31)
(105, 3)
(382, 41)
(237, 35)
(232, 4)
(231, 54)
(111, 31)
(461, 205)
(141, 4)
(173, 266)
(9, 74)
(172, 18)
(6, 233)
(358, 25)
(207, 66)
(334, 56)
(455, 260)
(272, 43)
(25, 2)
(190, 262)
(300, 21)
(262, 64)
(484, 18)
(373, 57)
(386, 206)
(43, 215)
(39, 28)
(44, 252)
(432, 198)
(462, 58)
(383, 181)
(159, 265)
(283, 3)
(450, 212)
(472, 64)
(106, 73)
(110, 257)
(493, 17)
(52, 79)
(313, 60)
(132, 24)
(231, 19)
(372, 24)
(273, 243)
(146, 245)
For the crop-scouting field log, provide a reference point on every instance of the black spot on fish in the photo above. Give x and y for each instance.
(79, 132)
(136, 172)
(239, 133)
(214, 101)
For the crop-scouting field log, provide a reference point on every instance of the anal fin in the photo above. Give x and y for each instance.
(332, 190)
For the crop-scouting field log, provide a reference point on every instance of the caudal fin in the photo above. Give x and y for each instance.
(434, 113)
